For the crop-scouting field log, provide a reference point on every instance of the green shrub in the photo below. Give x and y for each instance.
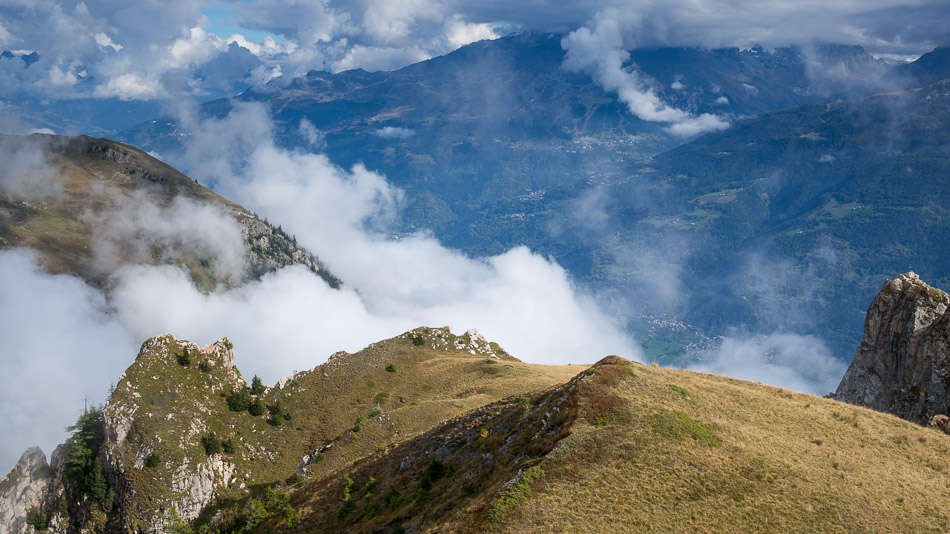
(154, 460)
(435, 471)
(211, 443)
(345, 510)
(418, 341)
(204, 366)
(36, 518)
(374, 413)
(390, 368)
(372, 507)
(358, 425)
(294, 479)
(290, 515)
(511, 497)
(228, 446)
(393, 498)
(184, 359)
(256, 408)
(239, 400)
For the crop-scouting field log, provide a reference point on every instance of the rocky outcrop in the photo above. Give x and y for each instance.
(21, 490)
(270, 248)
(903, 364)
(191, 483)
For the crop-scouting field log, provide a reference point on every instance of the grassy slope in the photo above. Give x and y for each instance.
(652, 449)
(98, 176)
(82, 166)
(175, 406)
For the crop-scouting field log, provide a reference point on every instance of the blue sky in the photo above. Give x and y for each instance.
(221, 23)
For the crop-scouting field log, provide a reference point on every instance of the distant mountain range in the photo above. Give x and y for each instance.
(497, 145)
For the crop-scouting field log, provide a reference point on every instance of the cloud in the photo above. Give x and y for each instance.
(290, 319)
(59, 338)
(792, 361)
(600, 49)
(147, 50)
(522, 300)
(135, 228)
(26, 172)
(393, 132)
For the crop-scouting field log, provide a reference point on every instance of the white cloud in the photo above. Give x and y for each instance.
(393, 132)
(60, 339)
(600, 49)
(792, 361)
(147, 50)
(26, 172)
(104, 41)
(134, 228)
(519, 299)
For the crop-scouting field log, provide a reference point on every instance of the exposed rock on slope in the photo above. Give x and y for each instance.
(22, 490)
(903, 364)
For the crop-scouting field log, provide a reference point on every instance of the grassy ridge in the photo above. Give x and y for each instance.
(627, 447)
(349, 407)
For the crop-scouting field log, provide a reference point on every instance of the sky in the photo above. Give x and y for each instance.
(77, 340)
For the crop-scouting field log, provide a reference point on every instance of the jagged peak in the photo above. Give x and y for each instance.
(221, 352)
(900, 366)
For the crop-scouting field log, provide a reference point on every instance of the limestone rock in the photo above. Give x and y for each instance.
(903, 364)
(23, 488)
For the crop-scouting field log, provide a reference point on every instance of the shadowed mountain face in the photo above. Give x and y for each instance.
(790, 221)
(497, 120)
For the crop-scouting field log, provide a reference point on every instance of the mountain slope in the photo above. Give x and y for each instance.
(787, 221)
(625, 446)
(88, 206)
(152, 448)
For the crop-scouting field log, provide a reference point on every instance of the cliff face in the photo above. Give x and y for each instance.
(22, 490)
(903, 364)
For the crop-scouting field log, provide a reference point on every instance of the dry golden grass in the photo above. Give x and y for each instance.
(780, 461)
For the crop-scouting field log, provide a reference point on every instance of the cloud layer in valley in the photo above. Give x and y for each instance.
(289, 320)
(793, 361)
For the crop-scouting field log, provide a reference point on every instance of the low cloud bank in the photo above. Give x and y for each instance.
(792, 361)
(60, 345)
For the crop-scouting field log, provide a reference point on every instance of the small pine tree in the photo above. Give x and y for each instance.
(257, 387)
(256, 408)
(184, 359)
(211, 443)
(391, 368)
(36, 518)
(153, 460)
(228, 446)
(239, 400)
